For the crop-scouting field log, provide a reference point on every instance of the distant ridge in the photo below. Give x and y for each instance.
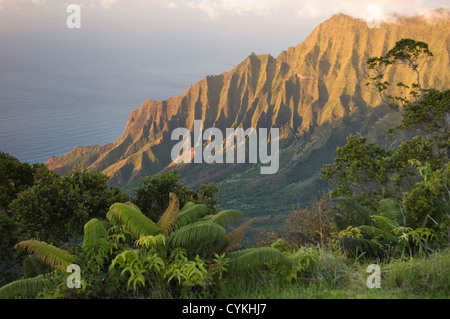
(315, 92)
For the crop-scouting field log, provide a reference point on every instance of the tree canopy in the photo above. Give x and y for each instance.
(415, 174)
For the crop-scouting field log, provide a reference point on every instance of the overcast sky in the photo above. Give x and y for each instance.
(184, 30)
(142, 33)
(226, 15)
(215, 8)
(271, 25)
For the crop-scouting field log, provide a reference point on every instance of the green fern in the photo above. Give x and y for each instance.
(389, 208)
(133, 205)
(359, 246)
(189, 215)
(376, 232)
(355, 213)
(131, 261)
(202, 237)
(384, 223)
(235, 237)
(115, 222)
(48, 254)
(151, 241)
(253, 258)
(134, 221)
(96, 241)
(303, 260)
(187, 206)
(207, 217)
(169, 218)
(415, 236)
(188, 272)
(32, 267)
(226, 218)
(28, 288)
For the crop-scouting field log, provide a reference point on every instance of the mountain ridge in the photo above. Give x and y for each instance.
(304, 91)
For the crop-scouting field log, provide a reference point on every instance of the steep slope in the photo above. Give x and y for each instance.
(315, 92)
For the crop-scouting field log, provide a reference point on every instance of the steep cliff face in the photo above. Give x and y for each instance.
(315, 92)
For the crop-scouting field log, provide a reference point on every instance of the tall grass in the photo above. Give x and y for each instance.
(426, 277)
(337, 276)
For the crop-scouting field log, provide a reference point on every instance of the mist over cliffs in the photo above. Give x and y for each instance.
(314, 92)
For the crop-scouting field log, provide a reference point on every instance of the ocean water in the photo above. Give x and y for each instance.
(61, 88)
(48, 109)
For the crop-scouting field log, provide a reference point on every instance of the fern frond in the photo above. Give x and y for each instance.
(96, 241)
(253, 258)
(28, 288)
(32, 267)
(227, 218)
(389, 208)
(169, 218)
(384, 223)
(133, 205)
(379, 233)
(359, 245)
(134, 221)
(190, 215)
(115, 222)
(186, 206)
(362, 213)
(235, 237)
(151, 241)
(48, 254)
(415, 236)
(199, 237)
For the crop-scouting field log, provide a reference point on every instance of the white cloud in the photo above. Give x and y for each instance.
(106, 4)
(215, 8)
(240, 7)
(312, 9)
(17, 3)
(172, 5)
(14, 3)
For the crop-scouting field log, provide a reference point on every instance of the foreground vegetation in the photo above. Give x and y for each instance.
(187, 253)
(388, 207)
(337, 277)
